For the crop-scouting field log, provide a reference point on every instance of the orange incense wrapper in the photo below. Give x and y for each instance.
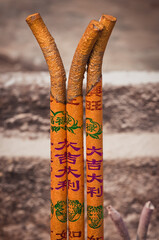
(57, 127)
(94, 138)
(74, 115)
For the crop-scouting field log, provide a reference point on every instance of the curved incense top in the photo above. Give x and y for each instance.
(96, 58)
(51, 54)
(80, 59)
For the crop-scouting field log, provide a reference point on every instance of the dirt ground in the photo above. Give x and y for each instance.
(24, 104)
(25, 194)
(133, 44)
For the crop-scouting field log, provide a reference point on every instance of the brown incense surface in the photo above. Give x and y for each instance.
(144, 221)
(57, 126)
(51, 54)
(95, 61)
(80, 59)
(119, 223)
(75, 162)
(94, 136)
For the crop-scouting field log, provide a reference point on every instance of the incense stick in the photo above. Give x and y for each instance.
(75, 131)
(144, 221)
(119, 223)
(94, 138)
(57, 126)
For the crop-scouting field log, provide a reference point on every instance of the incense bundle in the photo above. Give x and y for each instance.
(94, 140)
(75, 161)
(57, 126)
(67, 149)
(67, 162)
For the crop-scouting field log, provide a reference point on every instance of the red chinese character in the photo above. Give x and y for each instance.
(97, 92)
(73, 102)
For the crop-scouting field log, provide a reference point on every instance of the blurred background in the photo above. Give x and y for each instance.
(130, 111)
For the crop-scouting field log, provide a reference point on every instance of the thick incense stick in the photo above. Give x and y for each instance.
(144, 221)
(94, 141)
(119, 223)
(57, 128)
(75, 131)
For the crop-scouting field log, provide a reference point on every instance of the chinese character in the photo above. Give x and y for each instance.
(91, 127)
(60, 120)
(95, 191)
(70, 170)
(71, 158)
(63, 145)
(62, 185)
(74, 234)
(73, 102)
(95, 177)
(62, 170)
(94, 150)
(93, 105)
(94, 164)
(97, 92)
(62, 157)
(62, 235)
(73, 185)
(68, 119)
(71, 145)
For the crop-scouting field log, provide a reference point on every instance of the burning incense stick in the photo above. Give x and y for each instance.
(57, 128)
(94, 141)
(75, 131)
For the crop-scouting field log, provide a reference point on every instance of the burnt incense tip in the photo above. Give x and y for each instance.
(109, 209)
(149, 205)
(108, 17)
(113, 213)
(96, 25)
(33, 17)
